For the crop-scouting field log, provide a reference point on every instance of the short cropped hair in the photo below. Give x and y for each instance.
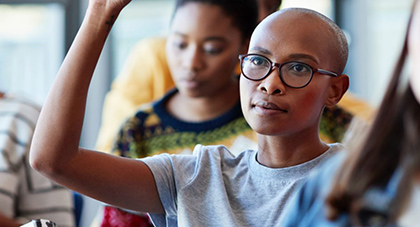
(244, 13)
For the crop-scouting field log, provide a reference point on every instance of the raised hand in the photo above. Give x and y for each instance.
(112, 5)
(106, 10)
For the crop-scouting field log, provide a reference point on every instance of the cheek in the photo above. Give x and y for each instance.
(224, 64)
(309, 99)
(172, 59)
(246, 88)
(310, 103)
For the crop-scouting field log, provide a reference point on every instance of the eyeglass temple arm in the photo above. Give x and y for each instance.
(322, 71)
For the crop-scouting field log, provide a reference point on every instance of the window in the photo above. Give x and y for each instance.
(32, 47)
(376, 29)
(323, 6)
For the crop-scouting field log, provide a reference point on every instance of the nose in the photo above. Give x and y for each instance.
(272, 84)
(193, 59)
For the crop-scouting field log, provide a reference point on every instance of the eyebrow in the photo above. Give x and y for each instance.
(304, 56)
(261, 50)
(291, 56)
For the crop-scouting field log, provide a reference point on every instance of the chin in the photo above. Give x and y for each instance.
(263, 129)
(193, 93)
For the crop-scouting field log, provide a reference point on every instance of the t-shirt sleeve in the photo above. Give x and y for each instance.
(171, 174)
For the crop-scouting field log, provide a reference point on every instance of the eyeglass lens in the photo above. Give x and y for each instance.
(293, 74)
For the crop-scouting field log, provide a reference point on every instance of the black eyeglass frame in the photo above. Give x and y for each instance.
(279, 65)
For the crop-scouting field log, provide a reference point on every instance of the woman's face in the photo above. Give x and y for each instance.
(269, 106)
(414, 51)
(202, 49)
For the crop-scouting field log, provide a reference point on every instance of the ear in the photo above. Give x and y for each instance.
(338, 88)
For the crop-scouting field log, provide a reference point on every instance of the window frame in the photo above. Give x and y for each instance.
(72, 15)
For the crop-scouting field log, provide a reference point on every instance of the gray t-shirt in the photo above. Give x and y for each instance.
(212, 187)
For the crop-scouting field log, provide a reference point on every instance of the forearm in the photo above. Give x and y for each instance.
(59, 126)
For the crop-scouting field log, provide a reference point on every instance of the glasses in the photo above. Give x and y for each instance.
(294, 74)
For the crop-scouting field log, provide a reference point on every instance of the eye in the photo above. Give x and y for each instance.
(213, 47)
(257, 61)
(180, 45)
(297, 68)
(213, 51)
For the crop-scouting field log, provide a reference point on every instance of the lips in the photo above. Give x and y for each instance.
(268, 106)
(190, 83)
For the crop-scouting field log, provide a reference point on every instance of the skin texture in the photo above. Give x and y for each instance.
(414, 51)
(283, 116)
(202, 52)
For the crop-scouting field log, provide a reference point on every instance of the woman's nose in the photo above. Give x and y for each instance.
(193, 59)
(272, 84)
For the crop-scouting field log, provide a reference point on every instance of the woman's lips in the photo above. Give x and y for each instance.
(268, 108)
(190, 83)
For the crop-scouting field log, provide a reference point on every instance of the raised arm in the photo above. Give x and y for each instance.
(55, 152)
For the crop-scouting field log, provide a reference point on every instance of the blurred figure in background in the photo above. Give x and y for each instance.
(24, 193)
(378, 182)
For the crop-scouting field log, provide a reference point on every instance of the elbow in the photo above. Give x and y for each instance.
(42, 164)
(35, 162)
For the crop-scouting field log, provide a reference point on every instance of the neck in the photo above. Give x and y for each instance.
(198, 109)
(284, 151)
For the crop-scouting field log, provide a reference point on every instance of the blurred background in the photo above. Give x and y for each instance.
(35, 35)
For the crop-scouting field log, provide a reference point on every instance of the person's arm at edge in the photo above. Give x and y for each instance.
(55, 151)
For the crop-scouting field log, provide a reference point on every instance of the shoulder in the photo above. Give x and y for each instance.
(152, 41)
(331, 165)
(322, 177)
(317, 162)
(218, 152)
(152, 45)
(202, 156)
(306, 206)
(335, 148)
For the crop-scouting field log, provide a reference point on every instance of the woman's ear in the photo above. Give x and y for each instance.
(338, 88)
